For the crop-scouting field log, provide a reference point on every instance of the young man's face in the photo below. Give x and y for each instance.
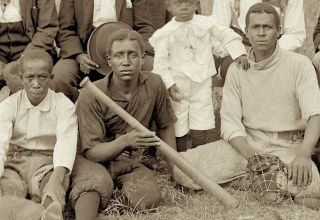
(183, 10)
(262, 32)
(36, 78)
(126, 59)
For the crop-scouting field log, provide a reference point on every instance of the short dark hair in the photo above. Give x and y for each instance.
(261, 8)
(125, 34)
(36, 54)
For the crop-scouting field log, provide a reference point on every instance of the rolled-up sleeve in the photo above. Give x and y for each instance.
(230, 40)
(231, 109)
(67, 135)
(308, 93)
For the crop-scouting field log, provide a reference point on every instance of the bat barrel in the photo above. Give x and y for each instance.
(196, 175)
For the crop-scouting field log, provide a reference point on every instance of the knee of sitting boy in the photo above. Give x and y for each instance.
(148, 199)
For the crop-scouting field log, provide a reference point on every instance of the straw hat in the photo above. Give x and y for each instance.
(98, 41)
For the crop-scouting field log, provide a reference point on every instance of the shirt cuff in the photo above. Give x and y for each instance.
(233, 134)
(237, 50)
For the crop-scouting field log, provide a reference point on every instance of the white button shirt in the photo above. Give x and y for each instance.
(51, 125)
(104, 10)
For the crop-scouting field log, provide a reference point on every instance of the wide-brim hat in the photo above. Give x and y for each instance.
(98, 41)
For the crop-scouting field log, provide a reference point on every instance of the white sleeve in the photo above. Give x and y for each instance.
(307, 89)
(231, 108)
(221, 10)
(6, 124)
(161, 63)
(229, 39)
(67, 135)
(294, 31)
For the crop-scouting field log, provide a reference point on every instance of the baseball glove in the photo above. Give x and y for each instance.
(268, 177)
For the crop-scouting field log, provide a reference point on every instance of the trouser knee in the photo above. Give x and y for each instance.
(140, 189)
(145, 198)
(88, 176)
(12, 184)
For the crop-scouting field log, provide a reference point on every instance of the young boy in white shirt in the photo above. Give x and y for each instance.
(38, 143)
(183, 59)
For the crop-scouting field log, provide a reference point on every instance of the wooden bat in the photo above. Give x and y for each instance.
(196, 175)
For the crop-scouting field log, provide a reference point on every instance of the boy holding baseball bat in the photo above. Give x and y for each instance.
(107, 139)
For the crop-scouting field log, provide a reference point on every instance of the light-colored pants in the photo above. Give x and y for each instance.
(222, 163)
(195, 111)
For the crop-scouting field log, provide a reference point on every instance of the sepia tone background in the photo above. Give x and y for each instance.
(186, 204)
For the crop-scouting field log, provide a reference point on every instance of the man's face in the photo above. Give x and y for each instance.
(183, 10)
(126, 59)
(36, 78)
(262, 32)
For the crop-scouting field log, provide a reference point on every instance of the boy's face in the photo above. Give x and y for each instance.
(126, 59)
(36, 77)
(183, 10)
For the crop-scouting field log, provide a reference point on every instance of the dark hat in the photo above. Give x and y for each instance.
(98, 41)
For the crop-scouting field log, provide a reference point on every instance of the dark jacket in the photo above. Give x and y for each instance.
(40, 22)
(76, 18)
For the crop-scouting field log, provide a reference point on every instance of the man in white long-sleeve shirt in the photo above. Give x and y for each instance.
(272, 108)
(233, 12)
(38, 139)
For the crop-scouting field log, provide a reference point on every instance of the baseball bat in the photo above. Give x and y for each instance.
(196, 175)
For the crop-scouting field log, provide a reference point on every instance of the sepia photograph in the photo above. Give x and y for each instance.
(159, 109)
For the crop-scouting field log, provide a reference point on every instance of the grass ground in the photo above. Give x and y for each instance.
(180, 205)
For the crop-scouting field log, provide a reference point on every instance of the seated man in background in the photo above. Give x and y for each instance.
(24, 25)
(233, 12)
(273, 109)
(77, 19)
(38, 142)
(108, 140)
(159, 13)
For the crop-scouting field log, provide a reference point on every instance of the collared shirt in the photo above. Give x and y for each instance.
(278, 94)
(51, 125)
(11, 12)
(294, 32)
(104, 10)
(98, 123)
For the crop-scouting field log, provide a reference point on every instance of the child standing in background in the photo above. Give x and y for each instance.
(183, 59)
